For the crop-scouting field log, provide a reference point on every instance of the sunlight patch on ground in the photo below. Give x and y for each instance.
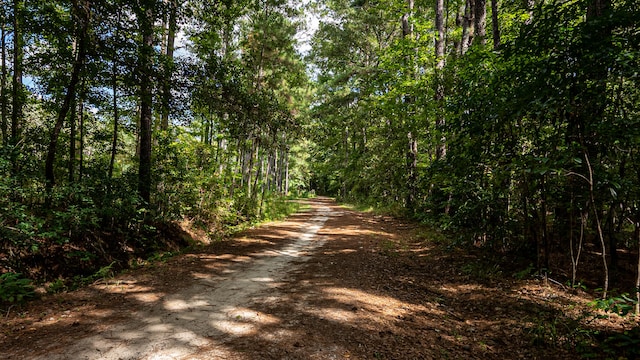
(201, 275)
(345, 251)
(148, 297)
(292, 252)
(241, 321)
(183, 304)
(335, 314)
(356, 230)
(421, 250)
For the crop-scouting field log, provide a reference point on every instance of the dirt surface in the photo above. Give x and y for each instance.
(328, 283)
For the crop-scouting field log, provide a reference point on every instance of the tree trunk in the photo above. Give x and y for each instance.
(441, 148)
(440, 43)
(407, 27)
(168, 73)
(83, 18)
(17, 93)
(145, 16)
(412, 142)
(495, 24)
(3, 84)
(286, 173)
(116, 115)
(598, 223)
(575, 254)
(468, 24)
(481, 22)
(610, 235)
(529, 4)
(81, 150)
(457, 44)
(72, 141)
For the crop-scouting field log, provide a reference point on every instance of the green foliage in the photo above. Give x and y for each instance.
(231, 150)
(578, 335)
(15, 289)
(481, 270)
(621, 305)
(626, 344)
(541, 133)
(162, 257)
(103, 273)
(56, 286)
(561, 331)
(277, 208)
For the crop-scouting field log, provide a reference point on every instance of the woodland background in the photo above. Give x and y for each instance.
(511, 125)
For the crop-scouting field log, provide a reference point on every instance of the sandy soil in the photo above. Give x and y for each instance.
(329, 283)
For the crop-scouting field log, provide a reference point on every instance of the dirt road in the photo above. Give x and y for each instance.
(328, 283)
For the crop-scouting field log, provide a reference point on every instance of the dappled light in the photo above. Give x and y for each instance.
(328, 285)
(319, 179)
(241, 321)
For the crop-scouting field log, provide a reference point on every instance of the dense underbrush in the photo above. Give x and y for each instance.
(74, 235)
(572, 315)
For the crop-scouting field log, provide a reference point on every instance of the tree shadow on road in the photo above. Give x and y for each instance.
(374, 288)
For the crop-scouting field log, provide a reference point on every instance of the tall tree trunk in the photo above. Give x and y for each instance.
(168, 73)
(72, 141)
(495, 25)
(114, 103)
(251, 186)
(83, 17)
(440, 42)
(598, 226)
(407, 27)
(116, 116)
(145, 14)
(441, 148)
(457, 44)
(286, 173)
(529, 5)
(3, 83)
(480, 22)
(17, 93)
(468, 24)
(412, 142)
(82, 130)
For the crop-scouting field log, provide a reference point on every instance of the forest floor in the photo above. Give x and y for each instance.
(327, 283)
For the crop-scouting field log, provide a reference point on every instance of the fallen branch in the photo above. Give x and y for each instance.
(8, 311)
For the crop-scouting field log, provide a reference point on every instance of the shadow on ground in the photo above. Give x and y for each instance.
(365, 287)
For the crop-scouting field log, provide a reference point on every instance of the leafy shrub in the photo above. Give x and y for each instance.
(621, 305)
(14, 288)
(56, 286)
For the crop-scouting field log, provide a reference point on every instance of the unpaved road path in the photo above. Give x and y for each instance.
(328, 283)
(208, 312)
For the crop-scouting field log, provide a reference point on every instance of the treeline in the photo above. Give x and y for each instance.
(515, 125)
(118, 117)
